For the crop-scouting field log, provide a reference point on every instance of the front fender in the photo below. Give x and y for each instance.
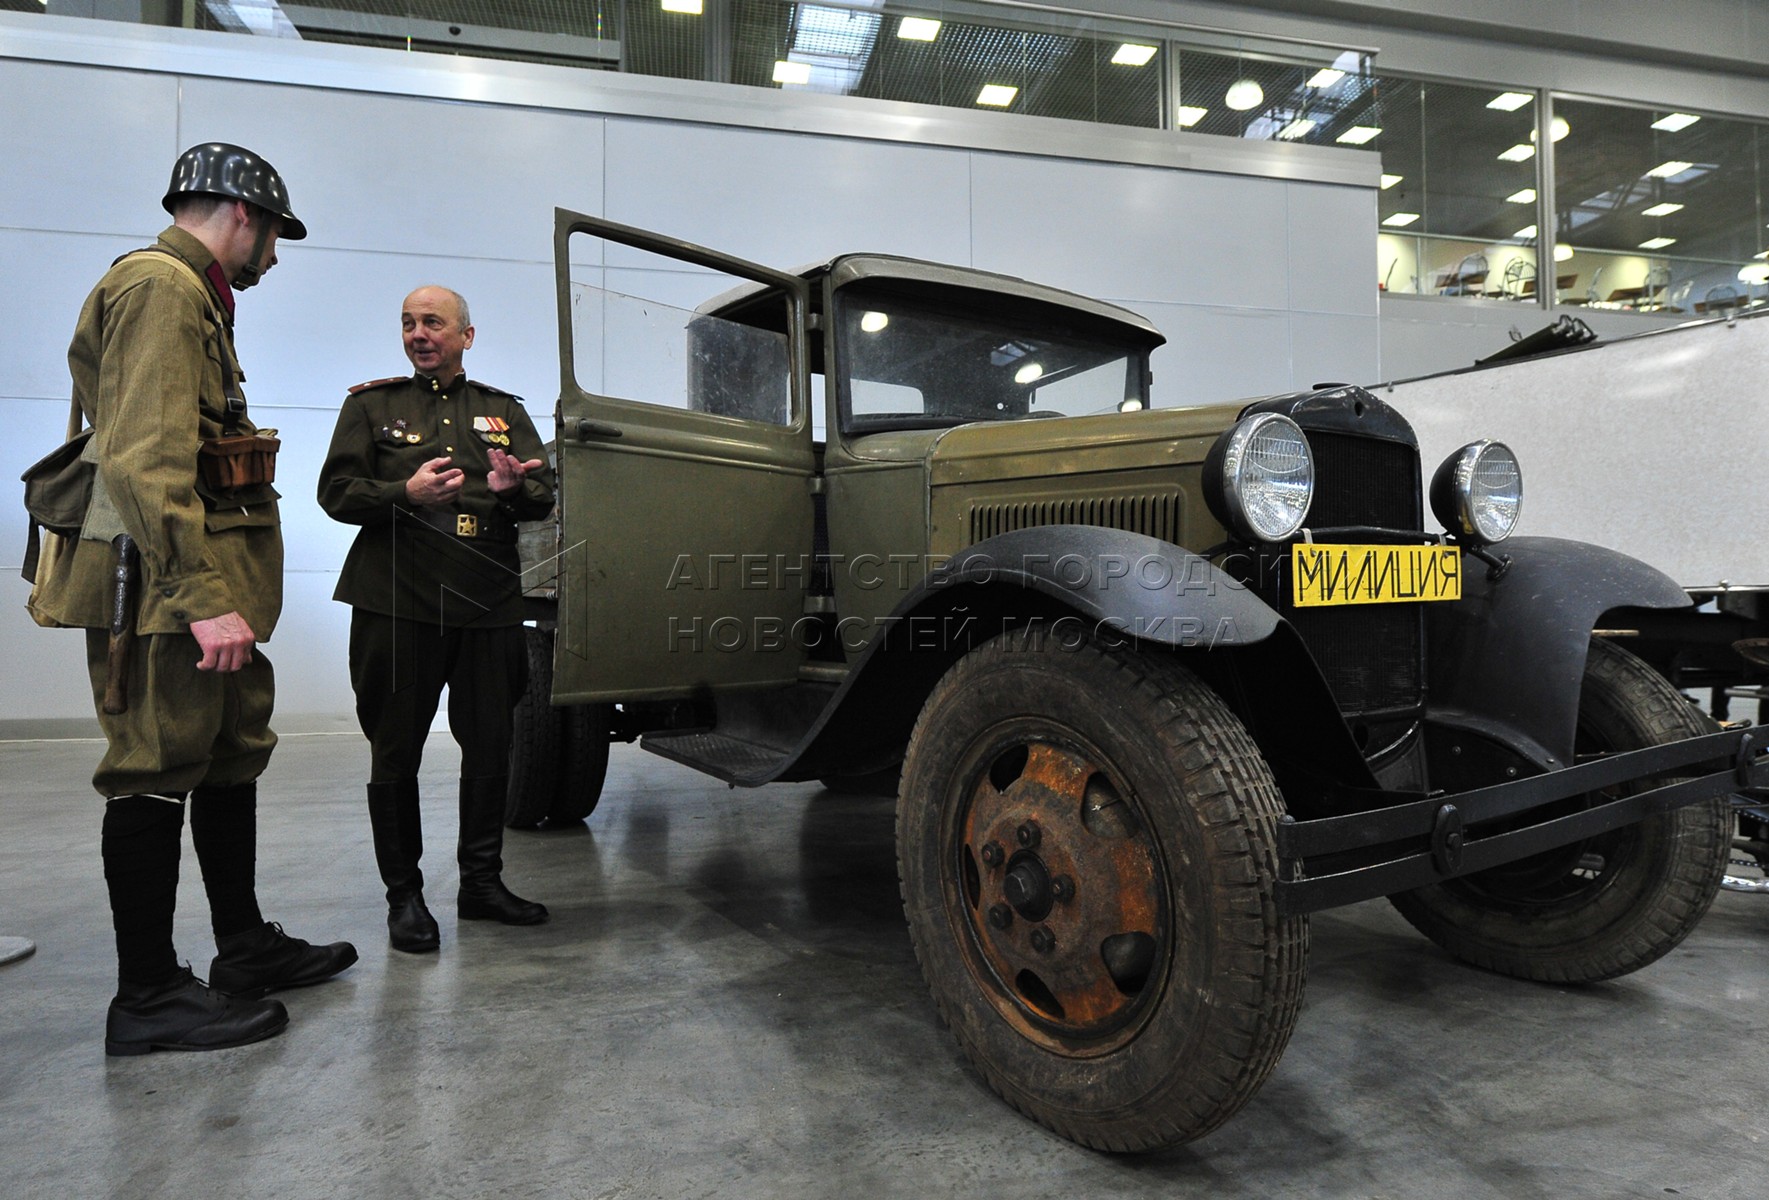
(1507, 661)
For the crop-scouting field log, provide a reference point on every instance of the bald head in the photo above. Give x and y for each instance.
(438, 331)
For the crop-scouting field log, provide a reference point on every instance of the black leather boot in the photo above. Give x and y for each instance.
(184, 1013)
(483, 896)
(399, 844)
(266, 959)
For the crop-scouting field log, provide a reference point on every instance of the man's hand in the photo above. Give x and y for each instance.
(508, 471)
(226, 642)
(436, 483)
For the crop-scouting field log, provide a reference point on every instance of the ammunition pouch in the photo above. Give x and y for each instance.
(228, 464)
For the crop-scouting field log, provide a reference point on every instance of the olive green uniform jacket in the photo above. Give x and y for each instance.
(153, 362)
(423, 565)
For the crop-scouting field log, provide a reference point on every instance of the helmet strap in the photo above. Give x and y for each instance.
(250, 274)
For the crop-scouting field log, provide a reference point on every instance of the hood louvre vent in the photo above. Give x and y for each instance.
(1156, 514)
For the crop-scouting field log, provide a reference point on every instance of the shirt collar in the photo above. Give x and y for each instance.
(186, 246)
(434, 386)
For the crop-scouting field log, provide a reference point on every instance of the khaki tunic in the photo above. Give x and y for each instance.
(399, 565)
(152, 361)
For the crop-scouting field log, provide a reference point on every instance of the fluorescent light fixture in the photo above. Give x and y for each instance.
(791, 72)
(1562, 252)
(1301, 127)
(1509, 101)
(1661, 210)
(1675, 122)
(918, 29)
(1526, 234)
(1357, 135)
(873, 322)
(1186, 115)
(1557, 127)
(1519, 153)
(1666, 170)
(1389, 181)
(997, 95)
(1132, 55)
(1399, 219)
(1326, 77)
(682, 6)
(1243, 94)
(1522, 196)
(1030, 373)
(1657, 243)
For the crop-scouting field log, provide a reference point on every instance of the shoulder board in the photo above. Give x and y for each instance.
(495, 391)
(379, 383)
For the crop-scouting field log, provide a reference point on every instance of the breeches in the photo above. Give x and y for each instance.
(185, 728)
(399, 668)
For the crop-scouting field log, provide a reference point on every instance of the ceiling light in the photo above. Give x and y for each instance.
(1519, 153)
(682, 6)
(1755, 274)
(792, 72)
(1558, 127)
(1030, 373)
(872, 322)
(1300, 127)
(1661, 210)
(1526, 234)
(1324, 78)
(1186, 115)
(1666, 170)
(1357, 135)
(1399, 219)
(1243, 95)
(1675, 122)
(918, 29)
(1132, 55)
(998, 95)
(1522, 196)
(1657, 243)
(1509, 101)
(1562, 252)
(1389, 181)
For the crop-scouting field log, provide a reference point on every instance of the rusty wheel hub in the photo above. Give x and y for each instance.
(1063, 897)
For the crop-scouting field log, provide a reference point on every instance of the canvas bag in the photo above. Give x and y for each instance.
(58, 490)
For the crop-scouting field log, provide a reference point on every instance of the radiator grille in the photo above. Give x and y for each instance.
(1153, 513)
(1364, 481)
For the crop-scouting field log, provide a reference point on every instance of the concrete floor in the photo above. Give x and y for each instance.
(725, 1004)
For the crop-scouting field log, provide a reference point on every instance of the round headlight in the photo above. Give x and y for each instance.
(1478, 492)
(1259, 478)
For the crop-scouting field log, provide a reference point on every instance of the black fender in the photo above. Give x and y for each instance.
(1507, 660)
(1084, 579)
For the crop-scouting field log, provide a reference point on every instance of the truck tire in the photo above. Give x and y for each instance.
(536, 737)
(1086, 841)
(584, 764)
(1612, 903)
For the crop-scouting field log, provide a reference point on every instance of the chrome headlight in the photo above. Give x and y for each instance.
(1478, 492)
(1259, 478)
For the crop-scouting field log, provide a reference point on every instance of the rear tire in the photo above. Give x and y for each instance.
(584, 764)
(537, 732)
(1613, 903)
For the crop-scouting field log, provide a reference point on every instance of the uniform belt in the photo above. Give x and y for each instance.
(469, 527)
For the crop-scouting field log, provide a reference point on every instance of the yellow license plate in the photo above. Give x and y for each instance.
(1323, 575)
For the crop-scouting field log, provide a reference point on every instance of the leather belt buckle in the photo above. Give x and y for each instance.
(466, 525)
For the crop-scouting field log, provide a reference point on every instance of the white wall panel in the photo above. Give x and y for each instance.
(1134, 233)
(1326, 348)
(1329, 270)
(382, 173)
(85, 149)
(43, 670)
(47, 276)
(784, 199)
(1215, 355)
(310, 649)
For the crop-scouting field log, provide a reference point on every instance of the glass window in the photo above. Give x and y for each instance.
(912, 364)
(1660, 210)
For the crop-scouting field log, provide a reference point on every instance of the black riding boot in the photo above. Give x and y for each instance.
(399, 844)
(483, 895)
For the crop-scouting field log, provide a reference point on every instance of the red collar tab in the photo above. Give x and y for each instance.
(222, 288)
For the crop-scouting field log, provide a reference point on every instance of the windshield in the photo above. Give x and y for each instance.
(909, 364)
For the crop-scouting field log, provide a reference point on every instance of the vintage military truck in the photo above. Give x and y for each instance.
(1151, 683)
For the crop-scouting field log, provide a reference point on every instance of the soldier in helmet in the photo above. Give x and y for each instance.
(198, 550)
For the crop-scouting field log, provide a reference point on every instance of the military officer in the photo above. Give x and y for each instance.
(436, 469)
(154, 374)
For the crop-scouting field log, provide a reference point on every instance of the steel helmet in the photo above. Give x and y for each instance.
(223, 169)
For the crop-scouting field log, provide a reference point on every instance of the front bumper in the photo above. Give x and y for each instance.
(1415, 841)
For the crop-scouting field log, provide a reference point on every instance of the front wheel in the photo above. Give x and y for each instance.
(1086, 839)
(1607, 905)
